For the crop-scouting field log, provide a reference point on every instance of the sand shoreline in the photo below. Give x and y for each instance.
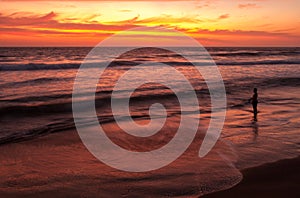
(41, 166)
(59, 164)
(278, 179)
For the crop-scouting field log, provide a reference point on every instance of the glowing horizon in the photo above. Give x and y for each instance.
(211, 22)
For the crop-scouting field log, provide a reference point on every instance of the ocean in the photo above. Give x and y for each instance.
(36, 85)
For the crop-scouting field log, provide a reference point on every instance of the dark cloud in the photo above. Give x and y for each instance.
(223, 16)
(248, 5)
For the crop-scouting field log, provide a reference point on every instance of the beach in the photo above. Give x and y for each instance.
(60, 164)
(42, 154)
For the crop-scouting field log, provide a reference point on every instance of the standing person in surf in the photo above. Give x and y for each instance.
(254, 101)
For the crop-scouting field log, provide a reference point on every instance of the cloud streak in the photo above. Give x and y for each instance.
(49, 21)
(248, 5)
(50, 26)
(223, 16)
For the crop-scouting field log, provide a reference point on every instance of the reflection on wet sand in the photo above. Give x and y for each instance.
(255, 130)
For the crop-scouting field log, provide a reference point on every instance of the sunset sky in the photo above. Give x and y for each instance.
(211, 22)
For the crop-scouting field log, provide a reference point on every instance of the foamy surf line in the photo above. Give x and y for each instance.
(64, 66)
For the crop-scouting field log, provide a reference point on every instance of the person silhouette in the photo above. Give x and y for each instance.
(254, 101)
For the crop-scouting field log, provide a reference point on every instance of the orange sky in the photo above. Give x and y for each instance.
(211, 22)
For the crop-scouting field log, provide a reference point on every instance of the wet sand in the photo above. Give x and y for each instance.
(59, 164)
(279, 179)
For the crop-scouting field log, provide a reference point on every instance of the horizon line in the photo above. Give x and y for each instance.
(270, 46)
